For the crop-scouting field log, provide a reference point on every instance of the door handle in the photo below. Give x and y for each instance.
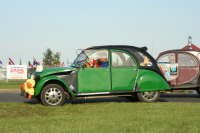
(135, 69)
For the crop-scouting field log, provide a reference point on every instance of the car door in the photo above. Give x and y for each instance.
(92, 80)
(168, 62)
(188, 70)
(123, 70)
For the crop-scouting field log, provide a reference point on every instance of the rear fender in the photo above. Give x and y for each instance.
(150, 81)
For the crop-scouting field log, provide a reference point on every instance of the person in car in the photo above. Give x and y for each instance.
(103, 59)
(94, 63)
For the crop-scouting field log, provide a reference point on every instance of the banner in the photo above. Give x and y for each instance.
(16, 72)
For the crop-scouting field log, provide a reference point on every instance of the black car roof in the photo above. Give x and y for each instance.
(116, 47)
(111, 46)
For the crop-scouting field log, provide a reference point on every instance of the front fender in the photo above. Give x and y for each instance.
(40, 84)
(151, 81)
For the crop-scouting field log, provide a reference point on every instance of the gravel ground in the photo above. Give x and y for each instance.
(9, 90)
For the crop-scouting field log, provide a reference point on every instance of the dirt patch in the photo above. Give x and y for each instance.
(9, 90)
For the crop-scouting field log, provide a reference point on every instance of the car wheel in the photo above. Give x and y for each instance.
(149, 96)
(198, 90)
(52, 95)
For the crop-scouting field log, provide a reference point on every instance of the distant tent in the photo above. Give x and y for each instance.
(192, 46)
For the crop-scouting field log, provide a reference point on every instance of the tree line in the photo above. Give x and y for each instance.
(51, 59)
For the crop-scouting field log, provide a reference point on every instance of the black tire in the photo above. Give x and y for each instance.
(149, 96)
(198, 91)
(52, 95)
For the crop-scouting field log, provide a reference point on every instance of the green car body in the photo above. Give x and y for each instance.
(125, 76)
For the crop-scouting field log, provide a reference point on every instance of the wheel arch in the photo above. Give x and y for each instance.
(150, 81)
(52, 80)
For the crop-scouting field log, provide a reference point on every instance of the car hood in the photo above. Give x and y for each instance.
(53, 70)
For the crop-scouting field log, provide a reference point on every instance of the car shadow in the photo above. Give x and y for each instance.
(179, 95)
(97, 100)
(83, 101)
(163, 98)
(32, 101)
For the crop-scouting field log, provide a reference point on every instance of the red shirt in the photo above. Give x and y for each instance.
(98, 63)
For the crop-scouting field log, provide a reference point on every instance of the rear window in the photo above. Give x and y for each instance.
(167, 58)
(186, 60)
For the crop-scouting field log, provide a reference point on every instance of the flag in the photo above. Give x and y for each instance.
(30, 64)
(10, 62)
(34, 61)
(20, 62)
(1, 62)
(63, 64)
(48, 62)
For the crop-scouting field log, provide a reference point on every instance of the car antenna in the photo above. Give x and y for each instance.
(152, 46)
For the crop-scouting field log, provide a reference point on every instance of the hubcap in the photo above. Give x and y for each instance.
(150, 95)
(53, 96)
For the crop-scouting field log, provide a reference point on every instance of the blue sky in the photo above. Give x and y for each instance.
(28, 28)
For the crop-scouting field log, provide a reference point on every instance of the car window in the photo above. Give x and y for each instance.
(79, 60)
(95, 53)
(97, 58)
(121, 59)
(198, 55)
(186, 60)
(167, 58)
(143, 59)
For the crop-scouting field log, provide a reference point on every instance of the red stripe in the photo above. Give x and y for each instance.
(162, 70)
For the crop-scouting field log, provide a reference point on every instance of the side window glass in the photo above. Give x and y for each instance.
(186, 60)
(198, 56)
(121, 59)
(143, 60)
(97, 59)
(167, 58)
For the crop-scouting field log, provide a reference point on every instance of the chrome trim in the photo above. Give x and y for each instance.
(83, 94)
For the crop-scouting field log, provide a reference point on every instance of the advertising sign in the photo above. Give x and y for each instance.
(16, 72)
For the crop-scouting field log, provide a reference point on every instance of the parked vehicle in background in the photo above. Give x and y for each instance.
(129, 72)
(181, 68)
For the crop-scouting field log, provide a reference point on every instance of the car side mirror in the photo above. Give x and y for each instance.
(83, 66)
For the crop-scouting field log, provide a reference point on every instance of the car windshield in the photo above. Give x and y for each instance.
(81, 58)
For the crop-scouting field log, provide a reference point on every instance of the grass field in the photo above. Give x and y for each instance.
(11, 84)
(108, 117)
(111, 117)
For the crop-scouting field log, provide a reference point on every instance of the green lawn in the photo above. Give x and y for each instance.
(110, 117)
(11, 84)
